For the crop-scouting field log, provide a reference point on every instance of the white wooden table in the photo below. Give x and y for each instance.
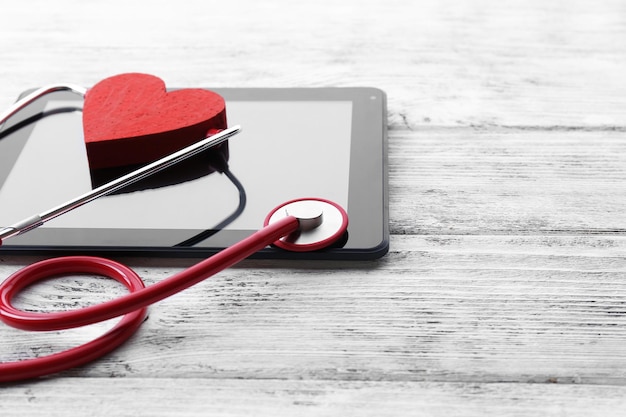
(504, 292)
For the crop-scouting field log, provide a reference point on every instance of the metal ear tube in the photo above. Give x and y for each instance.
(156, 166)
(38, 93)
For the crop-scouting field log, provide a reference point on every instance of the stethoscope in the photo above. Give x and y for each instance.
(300, 225)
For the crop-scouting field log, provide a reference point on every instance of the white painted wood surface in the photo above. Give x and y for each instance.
(504, 291)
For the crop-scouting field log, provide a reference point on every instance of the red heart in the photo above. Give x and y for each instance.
(131, 119)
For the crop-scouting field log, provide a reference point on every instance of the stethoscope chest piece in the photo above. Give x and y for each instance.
(322, 223)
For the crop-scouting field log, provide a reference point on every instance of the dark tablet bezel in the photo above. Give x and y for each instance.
(368, 234)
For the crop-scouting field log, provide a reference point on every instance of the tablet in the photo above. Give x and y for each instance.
(295, 142)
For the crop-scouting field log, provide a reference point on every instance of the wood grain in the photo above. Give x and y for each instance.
(480, 63)
(468, 325)
(228, 397)
(494, 181)
(437, 308)
(503, 292)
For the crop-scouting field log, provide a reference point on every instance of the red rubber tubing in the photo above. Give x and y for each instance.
(85, 353)
(132, 305)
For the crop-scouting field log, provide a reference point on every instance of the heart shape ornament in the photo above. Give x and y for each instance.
(131, 119)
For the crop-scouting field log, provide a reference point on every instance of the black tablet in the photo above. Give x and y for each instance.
(295, 142)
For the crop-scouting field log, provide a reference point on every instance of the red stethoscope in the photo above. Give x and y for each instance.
(299, 225)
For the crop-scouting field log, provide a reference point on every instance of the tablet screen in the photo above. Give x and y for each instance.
(275, 160)
(287, 149)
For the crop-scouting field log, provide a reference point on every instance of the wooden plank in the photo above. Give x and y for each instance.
(438, 308)
(507, 181)
(190, 397)
(479, 63)
(228, 397)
